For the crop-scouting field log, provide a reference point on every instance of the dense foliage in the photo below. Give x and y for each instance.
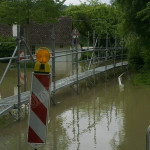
(24, 11)
(95, 16)
(136, 22)
(128, 18)
(21, 12)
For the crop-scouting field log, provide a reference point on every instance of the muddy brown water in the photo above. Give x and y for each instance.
(9, 84)
(99, 118)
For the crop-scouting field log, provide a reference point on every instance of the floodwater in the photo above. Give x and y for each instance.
(99, 118)
(9, 84)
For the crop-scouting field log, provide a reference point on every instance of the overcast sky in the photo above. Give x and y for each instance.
(76, 2)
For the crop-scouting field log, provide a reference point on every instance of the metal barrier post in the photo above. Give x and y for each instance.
(148, 139)
(25, 74)
(94, 45)
(122, 46)
(53, 65)
(98, 48)
(106, 57)
(18, 70)
(25, 66)
(72, 58)
(115, 53)
(88, 49)
(77, 66)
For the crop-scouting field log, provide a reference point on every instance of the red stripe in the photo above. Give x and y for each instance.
(44, 79)
(38, 108)
(33, 137)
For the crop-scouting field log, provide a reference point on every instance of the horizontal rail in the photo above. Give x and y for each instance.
(72, 51)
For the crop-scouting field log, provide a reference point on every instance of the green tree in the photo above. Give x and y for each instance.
(136, 21)
(22, 12)
(102, 18)
(131, 8)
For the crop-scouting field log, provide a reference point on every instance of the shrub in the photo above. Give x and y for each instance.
(135, 55)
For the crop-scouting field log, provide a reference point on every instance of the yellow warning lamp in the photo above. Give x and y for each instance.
(43, 57)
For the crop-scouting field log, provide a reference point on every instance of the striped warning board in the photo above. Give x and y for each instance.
(39, 105)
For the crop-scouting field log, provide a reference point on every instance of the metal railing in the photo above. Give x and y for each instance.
(99, 56)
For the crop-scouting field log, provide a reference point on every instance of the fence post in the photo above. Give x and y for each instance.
(77, 65)
(106, 57)
(88, 49)
(25, 74)
(115, 53)
(122, 47)
(72, 57)
(53, 65)
(98, 48)
(18, 70)
(25, 67)
(148, 139)
(94, 45)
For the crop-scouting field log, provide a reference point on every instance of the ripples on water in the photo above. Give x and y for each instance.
(101, 118)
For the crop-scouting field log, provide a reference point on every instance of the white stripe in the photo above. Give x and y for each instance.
(40, 92)
(37, 125)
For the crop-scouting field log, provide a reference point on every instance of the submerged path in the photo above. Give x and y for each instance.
(9, 103)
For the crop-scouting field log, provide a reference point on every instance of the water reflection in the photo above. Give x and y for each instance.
(90, 122)
(99, 118)
(9, 84)
(15, 90)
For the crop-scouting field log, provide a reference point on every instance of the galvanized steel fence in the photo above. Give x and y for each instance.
(90, 57)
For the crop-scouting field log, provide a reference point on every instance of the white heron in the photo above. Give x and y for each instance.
(121, 86)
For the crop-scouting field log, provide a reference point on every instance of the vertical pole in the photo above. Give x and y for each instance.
(98, 48)
(25, 74)
(106, 57)
(72, 57)
(122, 46)
(88, 49)
(115, 53)
(77, 66)
(18, 70)
(94, 55)
(53, 65)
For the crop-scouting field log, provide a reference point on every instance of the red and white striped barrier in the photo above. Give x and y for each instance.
(39, 106)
